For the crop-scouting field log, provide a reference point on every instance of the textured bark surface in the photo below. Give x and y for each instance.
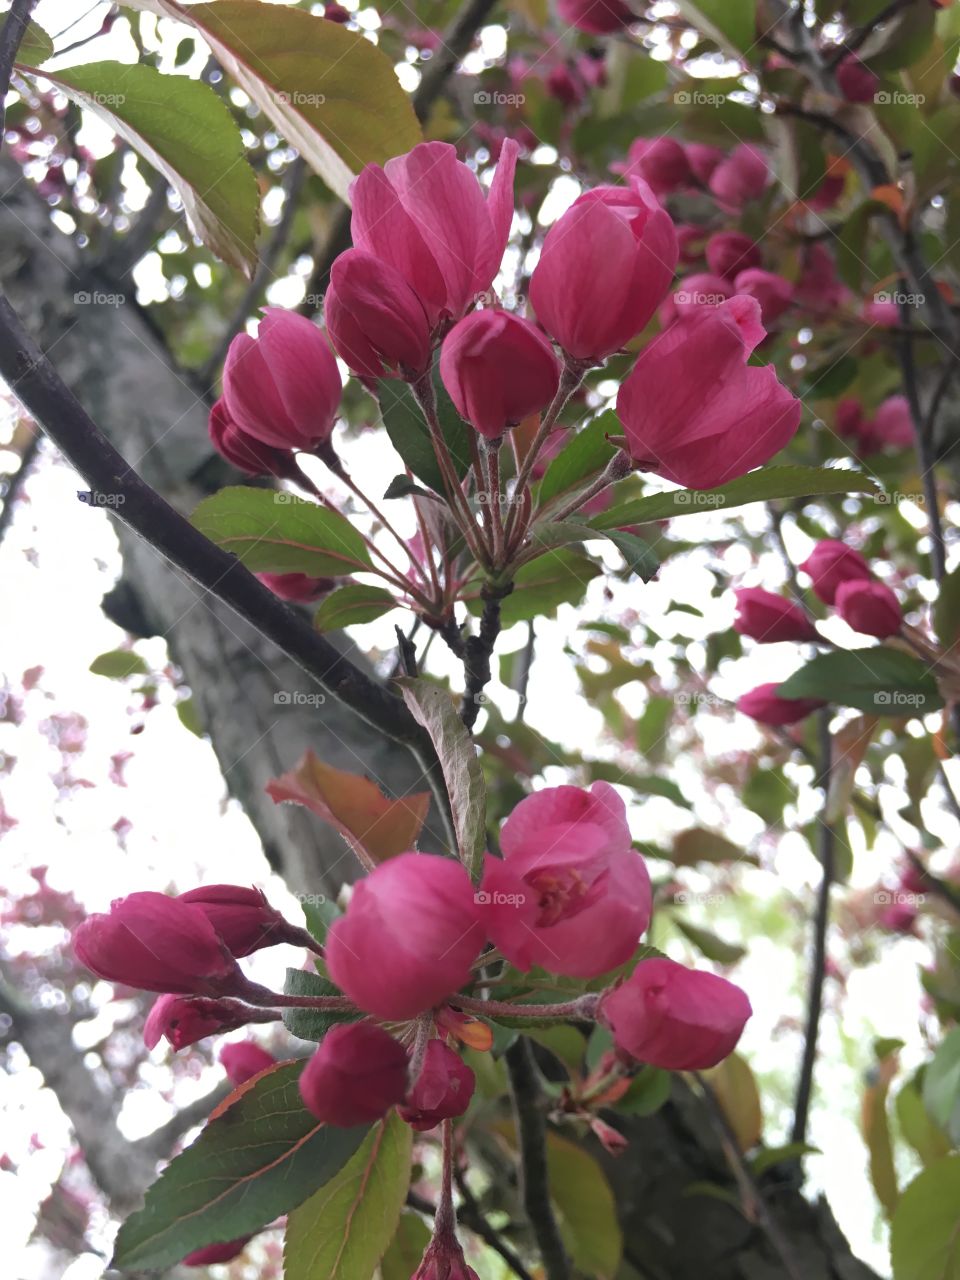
(118, 368)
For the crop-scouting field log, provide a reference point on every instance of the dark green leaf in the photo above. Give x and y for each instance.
(259, 1157)
(351, 604)
(881, 681)
(312, 1024)
(35, 47)
(924, 1240)
(946, 611)
(713, 947)
(583, 456)
(941, 1086)
(540, 587)
(405, 1250)
(410, 435)
(274, 532)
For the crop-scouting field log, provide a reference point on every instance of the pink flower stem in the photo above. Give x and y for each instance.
(422, 1036)
(255, 994)
(492, 449)
(616, 469)
(446, 1220)
(584, 1007)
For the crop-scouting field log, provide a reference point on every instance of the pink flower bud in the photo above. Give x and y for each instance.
(498, 368)
(244, 918)
(376, 322)
(830, 563)
(604, 269)
(408, 937)
(742, 176)
(730, 252)
(244, 1060)
(244, 451)
(570, 894)
(701, 289)
(425, 215)
(881, 313)
(899, 917)
(676, 1018)
(694, 411)
(612, 1140)
(595, 17)
(157, 943)
(892, 424)
(356, 1075)
(442, 1090)
(283, 387)
(211, 1253)
(703, 159)
(185, 1020)
(299, 588)
(336, 13)
(661, 162)
(773, 292)
(443, 1259)
(770, 618)
(855, 80)
(767, 707)
(563, 85)
(869, 607)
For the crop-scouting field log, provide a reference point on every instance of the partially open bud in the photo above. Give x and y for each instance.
(244, 918)
(186, 1019)
(376, 322)
(244, 451)
(298, 588)
(855, 80)
(498, 369)
(356, 1075)
(442, 1090)
(730, 252)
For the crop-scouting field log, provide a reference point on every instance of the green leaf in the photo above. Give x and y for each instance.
(189, 717)
(709, 944)
(649, 1090)
(916, 1126)
(351, 604)
(946, 611)
(405, 1250)
(274, 532)
(330, 92)
(877, 680)
(732, 24)
(312, 1024)
(35, 47)
(769, 1157)
(699, 845)
(583, 456)
(433, 707)
(757, 486)
(117, 664)
(637, 552)
(585, 1207)
(941, 1086)
(410, 435)
(639, 555)
(187, 133)
(343, 1231)
(541, 586)
(924, 1239)
(259, 1156)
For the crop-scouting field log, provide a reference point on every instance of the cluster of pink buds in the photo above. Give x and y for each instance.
(840, 577)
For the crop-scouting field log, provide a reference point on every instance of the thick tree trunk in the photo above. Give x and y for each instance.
(118, 368)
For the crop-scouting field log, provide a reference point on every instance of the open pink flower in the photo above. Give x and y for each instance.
(676, 1018)
(604, 269)
(426, 216)
(694, 411)
(570, 894)
(408, 937)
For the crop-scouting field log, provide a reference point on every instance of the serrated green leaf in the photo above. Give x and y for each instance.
(274, 532)
(35, 47)
(352, 604)
(185, 131)
(878, 680)
(343, 1231)
(260, 1156)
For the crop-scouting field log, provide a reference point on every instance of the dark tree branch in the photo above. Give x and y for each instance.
(478, 650)
(11, 37)
(818, 966)
(532, 1144)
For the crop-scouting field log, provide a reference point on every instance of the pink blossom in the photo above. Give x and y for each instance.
(356, 1075)
(855, 80)
(375, 319)
(595, 17)
(225, 1251)
(869, 607)
(773, 292)
(741, 177)
(730, 252)
(765, 705)
(184, 1020)
(770, 618)
(661, 162)
(244, 918)
(703, 160)
(442, 1090)
(243, 1059)
(830, 563)
(244, 451)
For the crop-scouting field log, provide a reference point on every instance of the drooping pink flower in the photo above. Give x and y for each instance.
(244, 1059)
(773, 292)
(855, 80)
(869, 607)
(244, 451)
(356, 1075)
(830, 563)
(157, 943)
(765, 705)
(769, 618)
(570, 893)
(703, 160)
(694, 411)
(408, 936)
(375, 320)
(442, 1090)
(730, 252)
(283, 387)
(595, 17)
(225, 1251)
(244, 918)
(662, 163)
(498, 368)
(426, 216)
(741, 177)
(676, 1018)
(605, 267)
(186, 1019)
(298, 588)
